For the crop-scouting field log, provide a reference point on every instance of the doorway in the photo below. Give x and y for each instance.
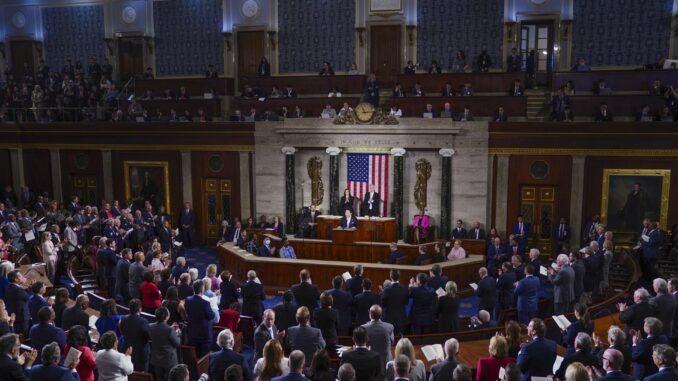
(538, 36)
(131, 57)
(537, 206)
(23, 53)
(251, 47)
(216, 202)
(386, 52)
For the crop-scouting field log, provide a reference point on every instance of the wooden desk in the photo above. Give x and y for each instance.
(480, 105)
(36, 272)
(620, 80)
(493, 82)
(380, 229)
(278, 273)
(308, 84)
(618, 105)
(312, 107)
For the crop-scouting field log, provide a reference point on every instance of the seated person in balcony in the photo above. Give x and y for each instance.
(466, 90)
(148, 74)
(249, 93)
(183, 93)
(253, 116)
(264, 69)
(334, 93)
(346, 109)
(558, 103)
(328, 112)
(566, 115)
(275, 92)
(514, 62)
(581, 65)
(135, 109)
(410, 68)
(603, 114)
(395, 253)
(148, 95)
(429, 112)
(466, 115)
(645, 115)
(211, 73)
(157, 116)
(173, 117)
(484, 61)
(266, 250)
(448, 90)
(235, 117)
(418, 90)
(423, 256)
(298, 112)
(600, 88)
(657, 88)
(118, 116)
(201, 116)
(396, 111)
(270, 116)
(188, 116)
(326, 70)
(517, 89)
(665, 115)
(447, 111)
(289, 92)
(420, 225)
(434, 68)
(398, 90)
(568, 88)
(500, 115)
(353, 70)
(168, 94)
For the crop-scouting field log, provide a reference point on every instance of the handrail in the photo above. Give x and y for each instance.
(125, 88)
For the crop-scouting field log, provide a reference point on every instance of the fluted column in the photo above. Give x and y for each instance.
(577, 203)
(290, 186)
(398, 188)
(334, 178)
(446, 193)
(501, 199)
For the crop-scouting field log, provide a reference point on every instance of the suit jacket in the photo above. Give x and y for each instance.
(353, 223)
(674, 324)
(362, 303)
(476, 234)
(10, 370)
(74, 316)
(261, 337)
(113, 365)
(365, 362)
(165, 238)
(17, 303)
(200, 315)
(285, 315)
(487, 294)
(443, 371)
(528, 293)
(494, 251)
(306, 295)
(641, 355)
(665, 305)
(634, 316)
(122, 279)
(394, 302)
(571, 334)
(355, 285)
(187, 218)
(53, 373)
(536, 358)
(42, 334)
(526, 232)
(35, 303)
(586, 358)
(136, 277)
(616, 376)
(252, 299)
(264, 252)
(164, 345)
(229, 294)
(306, 339)
(505, 289)
(579, 269)
(376, 203)
(563, 282)
(221, 360)
(137, 336)
(666, 374)
(437, 281)
(423, 299)
(327, 321)
(343, 303)
(559, 236)
(458, 233)
(380, 337)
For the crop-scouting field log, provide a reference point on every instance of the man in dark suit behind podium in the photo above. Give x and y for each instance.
(348, 221)
(371, 203)
(310, 222)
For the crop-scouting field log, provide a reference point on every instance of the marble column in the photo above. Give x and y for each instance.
(16, 157)
(334, 178)
(245, 191)
(186, 177)
(398, 188)
(501, 198)
(446, 194)
(55, 159)
(577, 199)
(290, 191)
(107, 162)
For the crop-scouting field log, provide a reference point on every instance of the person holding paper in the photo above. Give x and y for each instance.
(536, 358)
(486, 291)
(423, 299)
(443, 369)
(448, 309)
(487, 368)
(77, 340)
(563, 284)
(582, 324)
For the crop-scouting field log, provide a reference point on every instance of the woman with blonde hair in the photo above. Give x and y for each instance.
(448, 309)
(577, 372)
(487, 368)
(417, 369)
(49, 254)
(273, 363)
(6, 322)
(211, 273)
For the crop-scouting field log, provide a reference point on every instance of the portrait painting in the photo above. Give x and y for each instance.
(631, 195)
(147, 181)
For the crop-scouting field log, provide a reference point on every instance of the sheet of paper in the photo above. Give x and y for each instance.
(431, 352)
(93, 321)
(29, 235)
(346, 275)
(73, 354)
(42, 228)
(474, 286)
(556, 364)
(440, 292)
(502, 373)
(542, 271)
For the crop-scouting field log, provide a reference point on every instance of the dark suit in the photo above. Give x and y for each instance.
(641, 355)
(199, 328)
(536, 358)
(135, 330)
(615, 376)
(561, 235)
(362, 303)
(261, 337)
(10, 370)
(264, 252)
(285, 315)
(306, 339)
(42, 334)
(52, 372)
(487, 294)
(229, 294)
(394, 302)
(164, 345)
(122, 280)
(496, 255)
(187, 218)
(665, 305)
(376, 203)
(563, 289)
(458, 233)
(528, 297)
(74, 316)
(421, 315)
(571, 333)
(306, 295)
(443, 371)
(365, 362)
(327, 321)
(634, 316)
(355, 285)
(525, 235)
(666, 374)
(437, 281)
(17, 303)
(476, 233)
(252, 300)
(586, 358)
(221, 360)
(505, 291)
(344, 224)
(342, 301)
(165, 239)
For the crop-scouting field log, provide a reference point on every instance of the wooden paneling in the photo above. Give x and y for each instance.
(480, 82)
(369, 230)
(308, 84)
(38, 170)
(5, 168)
(250, 50)
(194, 86)
(617, 80)
(131, 63)
(386, 54)
(618, 105)
(480, 105)
(211, 107)
(81, 163)
(312, 107)
(559, 176)
(21, 52)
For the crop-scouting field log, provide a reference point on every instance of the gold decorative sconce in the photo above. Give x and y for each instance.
(271, 38)
(227, 40)
(361, 40)
(410, 33)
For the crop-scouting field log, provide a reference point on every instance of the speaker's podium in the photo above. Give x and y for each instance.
(344, 236)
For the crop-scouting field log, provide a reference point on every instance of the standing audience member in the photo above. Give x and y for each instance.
(78, 338)
(326, 319)
(665, 305)
(444, 368)
(226, 357)
(380, 336)
(448, 309)
(266, 331)
(164, 344)
(487, 368)
(364, 360)
(536, 358)
(563, 284)
(252, 296)
(50, 369)
(17, 301)
(642, 354)
(134, 329)
(304, 337)
(111, 364)
(582, 324)
(44, 332)
(423, 300)
(199, 314)
(527, 293)
(582, 354)
(612, 364)
(273, 363)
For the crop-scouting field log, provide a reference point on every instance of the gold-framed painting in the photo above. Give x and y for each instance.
(148, 181)
(386, 6)
(631, 195)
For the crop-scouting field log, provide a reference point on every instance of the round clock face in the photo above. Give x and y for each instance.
(250, 8)
(538, 2)
(364, 112)
(19, 20)
(129, 14)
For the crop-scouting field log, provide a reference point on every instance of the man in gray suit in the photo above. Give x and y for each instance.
(380, 336)
(563, 285)
(164, 344)
(665, 304)
(265, 332)
(442, 371)
(303, 337)
(136, 275)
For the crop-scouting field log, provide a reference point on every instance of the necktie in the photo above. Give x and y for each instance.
(477, 233)
(562, 231)
(515, 249)
(521, 228)
(270, 330)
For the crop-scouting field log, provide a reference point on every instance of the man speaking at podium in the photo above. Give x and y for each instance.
(348, 221)
(371, 203)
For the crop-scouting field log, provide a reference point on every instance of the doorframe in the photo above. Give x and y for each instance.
(37, 47)
(271, 54)
(145, 41)
(555, 45)
(368, 42)
(202, 215)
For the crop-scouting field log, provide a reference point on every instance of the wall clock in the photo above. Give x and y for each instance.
(19, 20)
(250, 8)
(129, 14)
(364, 112)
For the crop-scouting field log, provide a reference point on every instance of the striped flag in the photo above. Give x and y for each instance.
(365, 169)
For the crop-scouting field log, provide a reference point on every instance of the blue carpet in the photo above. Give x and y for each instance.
(200, 257)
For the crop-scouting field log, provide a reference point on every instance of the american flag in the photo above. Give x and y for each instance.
(365, 169)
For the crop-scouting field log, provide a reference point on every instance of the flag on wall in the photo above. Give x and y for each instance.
(365, 169)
